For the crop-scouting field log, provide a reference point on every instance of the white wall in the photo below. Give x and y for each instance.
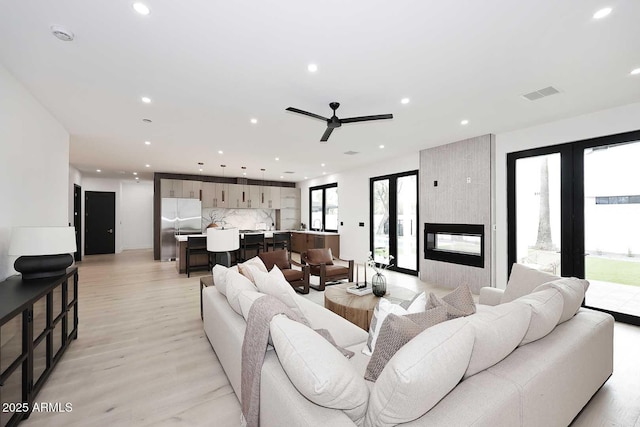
(75, 177)
(353, 201)
(137, 215)
(602, 123)
(134, 210)
(34, 162)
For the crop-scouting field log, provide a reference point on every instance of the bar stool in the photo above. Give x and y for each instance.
(252, 241)
(196, 246)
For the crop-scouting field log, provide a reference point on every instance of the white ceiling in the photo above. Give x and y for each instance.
(211, 66)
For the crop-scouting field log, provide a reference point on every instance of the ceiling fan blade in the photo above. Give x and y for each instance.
(367, 118)
(327, 133)
(306, 113)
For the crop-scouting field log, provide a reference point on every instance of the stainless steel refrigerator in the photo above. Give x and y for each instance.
(179, 216)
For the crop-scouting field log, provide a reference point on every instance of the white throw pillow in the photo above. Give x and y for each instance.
(572, 291)
(255, 262)
(246, 300)
(382, 310)
(420, 374)
(219, 273)
(317, 369)
(236, 283)
(523, 280)
(498, 330)
(546, 309)
(275, 284)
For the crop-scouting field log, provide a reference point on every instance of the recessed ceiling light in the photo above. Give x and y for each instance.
(219, 151)
(135, 173)
(464, 122)
(146, 99)
(98, 170)
(635, 72)
(602, 13)
(244, 173)
(381, 146)
(137, 177)
(277, 158)
(324, 173)
(281, 176)
(62, 33)
(312, 68)
(405, 100)
(200, 169)
(147, 166)
(141, 8)
(322, 164)
(254, 121)
(306, 177)
(147, 143)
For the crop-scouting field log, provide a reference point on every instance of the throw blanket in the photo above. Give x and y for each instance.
(254, 346)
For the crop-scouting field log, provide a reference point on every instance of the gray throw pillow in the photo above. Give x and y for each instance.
(395, 332)
(459, 302)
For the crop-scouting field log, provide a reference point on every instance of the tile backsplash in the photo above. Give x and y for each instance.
(244, 219)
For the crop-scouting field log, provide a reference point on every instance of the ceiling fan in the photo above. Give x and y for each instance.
(335, 122)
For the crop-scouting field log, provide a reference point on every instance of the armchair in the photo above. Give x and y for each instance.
(321, 264)
(298, 279)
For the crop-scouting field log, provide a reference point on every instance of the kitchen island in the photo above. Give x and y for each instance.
(301, 241)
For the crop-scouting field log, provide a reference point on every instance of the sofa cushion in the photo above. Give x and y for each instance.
(253, 262)
(498, 331)
(236, 283)
(546, 309)
(219, 273)
(279, 258)
(420, 374)
(317, 369)
(395, 332)
(382, 310)
(458, 303)
(523, 280)
(275, 284)
(333, 270)
(572, 291)
(246, 300)
(320, 256)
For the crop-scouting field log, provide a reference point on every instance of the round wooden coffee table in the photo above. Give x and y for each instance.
(359, 309)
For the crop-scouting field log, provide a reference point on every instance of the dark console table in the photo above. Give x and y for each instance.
(38, 320)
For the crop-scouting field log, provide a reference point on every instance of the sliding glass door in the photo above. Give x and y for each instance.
(394, 221)
(573, 210)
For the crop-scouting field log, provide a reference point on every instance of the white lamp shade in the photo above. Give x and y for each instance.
(33, 241)
(223, 239)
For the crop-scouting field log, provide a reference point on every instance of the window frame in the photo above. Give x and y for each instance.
(322, 188)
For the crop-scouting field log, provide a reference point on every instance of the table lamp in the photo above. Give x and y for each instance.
(223, 240)
(42, 251)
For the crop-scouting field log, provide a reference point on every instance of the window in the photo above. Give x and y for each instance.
(323, 207)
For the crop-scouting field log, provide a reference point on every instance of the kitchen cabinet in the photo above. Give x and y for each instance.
(253, 201)
(289, 216)
(269, 197)
(38, 321)
(215, 195)
(191, 189)
(171, 188)
(239, 196)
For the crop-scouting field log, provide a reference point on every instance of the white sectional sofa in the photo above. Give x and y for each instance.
(542, 383)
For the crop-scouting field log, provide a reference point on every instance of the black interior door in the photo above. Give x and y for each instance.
(77, 220)
(100, 222)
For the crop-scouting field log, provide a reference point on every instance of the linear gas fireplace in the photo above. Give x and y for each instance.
(455, 243)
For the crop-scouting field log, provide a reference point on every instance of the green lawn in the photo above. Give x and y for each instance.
(613, 270)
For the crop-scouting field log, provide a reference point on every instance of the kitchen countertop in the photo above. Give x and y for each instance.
(267, 234)
(322, 233)
(183, 237)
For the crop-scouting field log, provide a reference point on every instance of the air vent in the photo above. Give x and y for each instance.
(289, 172)
(351, 153)
(538, 94)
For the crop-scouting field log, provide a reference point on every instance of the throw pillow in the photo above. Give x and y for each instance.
(253, 262)
(420, 374)
(395, 332)
(246, 300)
(382, 310)
(523, 280)
(236, 283)
(275, 284)
(498, 330)
(459, 302)
(318, 370)
(572, 291)
(219, 273)
(546, 309)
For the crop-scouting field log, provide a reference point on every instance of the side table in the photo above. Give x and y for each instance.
(205, 281)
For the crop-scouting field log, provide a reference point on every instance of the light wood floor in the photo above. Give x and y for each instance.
(142, 359)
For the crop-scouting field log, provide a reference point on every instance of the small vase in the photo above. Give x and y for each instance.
(379, 284)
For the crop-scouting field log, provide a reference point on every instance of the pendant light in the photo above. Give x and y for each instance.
(223, 181)
(262, 189)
